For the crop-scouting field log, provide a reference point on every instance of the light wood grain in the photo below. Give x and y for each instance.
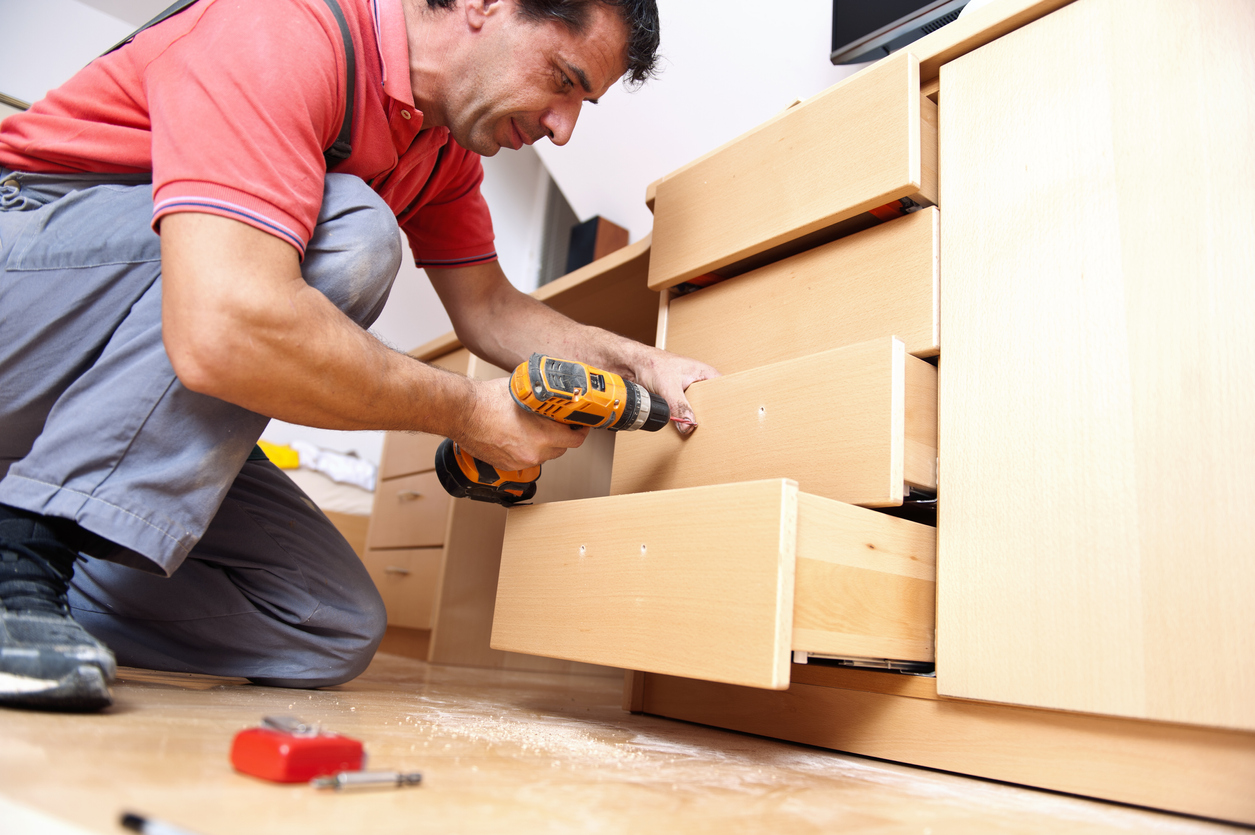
(877, 283)
(834, 421)
(1096, 390)
(409, 512)
(406, 642)
(581, 473)
(1191, 770)
(353, 527)
(688, 582)
(697, 582)
(971, 31)
(767, 187)
(866, 583)
(611, 293)
(406, 579)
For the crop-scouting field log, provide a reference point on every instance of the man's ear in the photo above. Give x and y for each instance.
(478, 12)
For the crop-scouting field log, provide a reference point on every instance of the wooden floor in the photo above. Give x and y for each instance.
(500, 753)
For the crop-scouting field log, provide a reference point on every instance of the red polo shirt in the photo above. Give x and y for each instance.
(230, 104)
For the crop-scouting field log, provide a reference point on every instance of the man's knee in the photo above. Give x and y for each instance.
(343, 656)
(355, 253)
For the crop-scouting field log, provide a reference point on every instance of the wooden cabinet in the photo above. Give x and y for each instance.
(1094, 568)
(1098, 286)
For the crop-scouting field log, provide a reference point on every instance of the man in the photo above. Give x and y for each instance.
(137, 370)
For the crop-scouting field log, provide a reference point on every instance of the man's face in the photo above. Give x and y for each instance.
(531, 79)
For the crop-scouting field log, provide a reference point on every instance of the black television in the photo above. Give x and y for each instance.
(866, 30)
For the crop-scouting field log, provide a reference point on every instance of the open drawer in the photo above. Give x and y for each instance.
(717, 583)
(865, 142)
(857, 424)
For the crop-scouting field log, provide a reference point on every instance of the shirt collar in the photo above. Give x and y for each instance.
(394, 50)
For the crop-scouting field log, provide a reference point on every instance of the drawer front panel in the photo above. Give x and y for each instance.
(409, 512)
(407, 579)
(854, 424)
(878, 283)
(861, 144)
(694, 582)
(406, 453)
(716, 582)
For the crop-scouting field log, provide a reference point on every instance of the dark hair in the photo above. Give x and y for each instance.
(641, 17)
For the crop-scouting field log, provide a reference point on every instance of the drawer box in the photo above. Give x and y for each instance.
(877, 283)
(407, 579)
(856, 424)
(409, 512)
(865, 142)
(717, 583)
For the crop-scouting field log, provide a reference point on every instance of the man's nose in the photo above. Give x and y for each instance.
(559, 121)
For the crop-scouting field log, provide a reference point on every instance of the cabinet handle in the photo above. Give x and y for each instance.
(396, 569)
(409, 495)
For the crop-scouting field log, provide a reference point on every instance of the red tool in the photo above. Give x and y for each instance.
(286, 750)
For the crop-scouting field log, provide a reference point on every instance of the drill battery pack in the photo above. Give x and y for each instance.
(286, 750)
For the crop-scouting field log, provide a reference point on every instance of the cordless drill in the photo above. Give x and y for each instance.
(563, 390)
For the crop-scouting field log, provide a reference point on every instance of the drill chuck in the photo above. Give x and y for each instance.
(641, 410)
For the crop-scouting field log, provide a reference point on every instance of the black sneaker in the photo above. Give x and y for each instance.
(46, 659)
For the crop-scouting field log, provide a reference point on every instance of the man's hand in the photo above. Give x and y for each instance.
(509, 437)
(669, 376)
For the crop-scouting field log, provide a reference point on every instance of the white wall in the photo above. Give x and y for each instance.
(47, 41)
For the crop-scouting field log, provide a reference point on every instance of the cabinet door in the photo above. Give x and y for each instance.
(1096, 547)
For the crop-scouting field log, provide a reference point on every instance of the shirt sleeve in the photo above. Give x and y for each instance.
(242, 105)
(454, 227)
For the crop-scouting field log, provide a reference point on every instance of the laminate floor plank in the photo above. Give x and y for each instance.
(500, 752)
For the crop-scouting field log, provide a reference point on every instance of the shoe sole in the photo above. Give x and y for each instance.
(84, 688)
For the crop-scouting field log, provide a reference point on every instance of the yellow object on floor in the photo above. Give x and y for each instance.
(283, 457)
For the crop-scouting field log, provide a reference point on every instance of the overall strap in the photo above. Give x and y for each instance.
(342, 146)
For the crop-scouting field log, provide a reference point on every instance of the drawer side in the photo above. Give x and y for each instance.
(866, 583)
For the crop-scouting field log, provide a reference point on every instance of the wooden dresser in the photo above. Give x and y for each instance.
(1011, 267)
